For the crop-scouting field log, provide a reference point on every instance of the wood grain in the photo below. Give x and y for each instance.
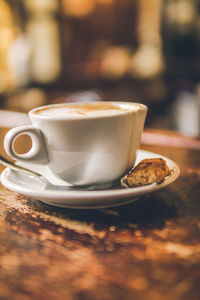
(149, 249)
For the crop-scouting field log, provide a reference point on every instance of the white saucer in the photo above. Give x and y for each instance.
(24, 184)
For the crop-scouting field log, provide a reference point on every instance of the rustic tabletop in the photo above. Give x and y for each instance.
(149, 249)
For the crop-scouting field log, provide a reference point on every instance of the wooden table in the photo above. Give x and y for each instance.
(147, 250)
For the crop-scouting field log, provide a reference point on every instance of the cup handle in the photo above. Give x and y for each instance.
(37, 153)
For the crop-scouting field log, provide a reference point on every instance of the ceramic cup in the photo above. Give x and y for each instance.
(91, 143)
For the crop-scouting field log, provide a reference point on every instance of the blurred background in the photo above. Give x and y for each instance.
(81, 50)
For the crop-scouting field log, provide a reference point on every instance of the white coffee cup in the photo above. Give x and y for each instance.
(91, 143)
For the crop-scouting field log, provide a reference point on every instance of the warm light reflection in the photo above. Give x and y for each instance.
(40, 6)
(115, 62)
(7, 35)
(78, 8)
(104, 1)
(45, 64)
(147, 62)
(181, 12)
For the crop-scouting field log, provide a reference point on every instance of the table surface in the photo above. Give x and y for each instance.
(149, 249)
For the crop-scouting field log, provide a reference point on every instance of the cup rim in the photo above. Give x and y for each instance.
(32, 112)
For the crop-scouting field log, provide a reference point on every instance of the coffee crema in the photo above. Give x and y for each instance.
(86, 109)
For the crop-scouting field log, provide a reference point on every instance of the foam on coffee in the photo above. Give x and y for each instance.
(85, 110)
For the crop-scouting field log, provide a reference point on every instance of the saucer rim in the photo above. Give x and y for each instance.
(92, 199)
